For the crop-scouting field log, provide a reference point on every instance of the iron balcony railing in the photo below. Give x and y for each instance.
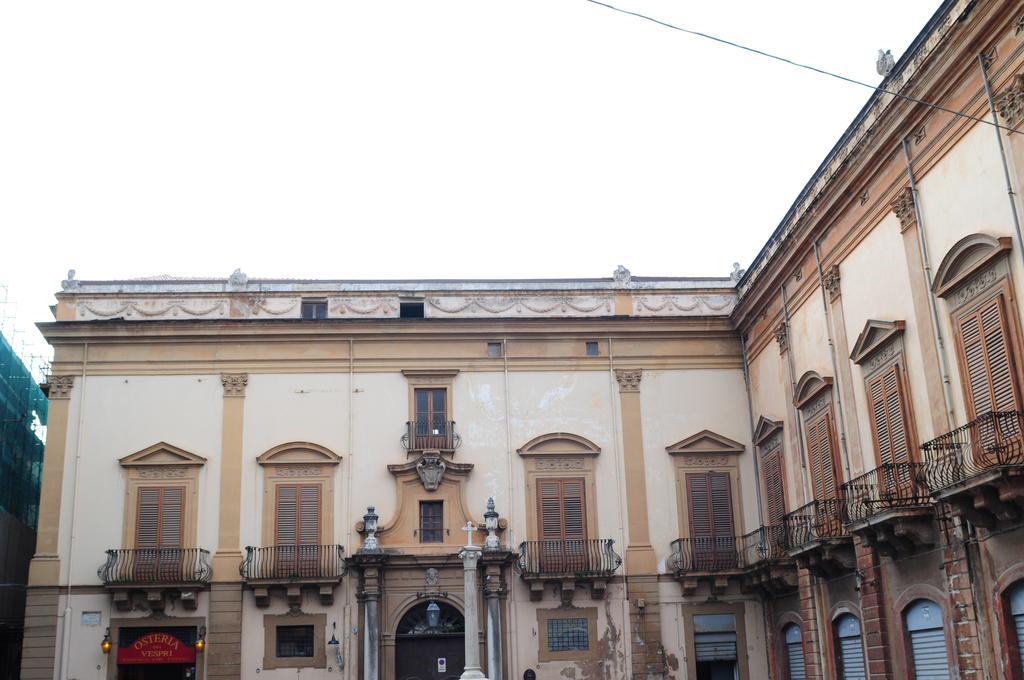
(568, 557)
(426, 433)
(989, 442)
(293, 562)
(143, 566)
(816, 521)
(729, 552)
(892, 485)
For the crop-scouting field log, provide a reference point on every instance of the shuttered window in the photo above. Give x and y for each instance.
(1016, 601)
(794, 652)
(888, 417)
(563, 524)
(849, 650)
(984, 344)
(820, 451)
(711, 523)
(298, 514)
(774, 485)
(927, 641)
(160, 517)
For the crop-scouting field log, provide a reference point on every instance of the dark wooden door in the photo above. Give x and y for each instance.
(431, 419)
(416, 658)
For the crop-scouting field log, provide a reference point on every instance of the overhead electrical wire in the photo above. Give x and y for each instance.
(797, 64)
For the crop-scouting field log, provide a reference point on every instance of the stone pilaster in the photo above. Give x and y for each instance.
(229, 551)
(39, 645)
(224, 631)
(874, 621)
(963, 611)
(640, 557)
(809, 630)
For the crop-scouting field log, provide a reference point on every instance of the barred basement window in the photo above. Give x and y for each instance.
(568, 635)
(294, 641)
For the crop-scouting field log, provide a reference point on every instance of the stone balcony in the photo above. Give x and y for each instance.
(757, 560)
(979, 469)
(817, 538)
(292, 568)
(890, 508)
(157, 574)
(566, 562)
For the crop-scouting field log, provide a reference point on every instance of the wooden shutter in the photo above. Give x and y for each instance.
(819, 449)
(298, 515)
(700, 505)
(160, 519)
(710, 495)
(774, 486)
(888, 419)
(562, 509)
(984, 343)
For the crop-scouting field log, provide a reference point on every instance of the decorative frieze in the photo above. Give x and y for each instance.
(628, 379)
(298, 470)
(234, 384)
(781, 333)
(683, 305)
(60, 386)
(560, 464)
(903, 207)
(162, 473)
(831, 282)
(1010, 102)
(705, 461)
(975, 285)
(501, 305)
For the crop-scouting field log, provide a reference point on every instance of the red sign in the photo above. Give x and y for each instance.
(157, 648)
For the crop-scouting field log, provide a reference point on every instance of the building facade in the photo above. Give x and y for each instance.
(812, 469)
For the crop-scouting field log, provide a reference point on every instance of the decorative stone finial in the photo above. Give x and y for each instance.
(737, 272)
(622, 276)
(885, 63)
(491, 524)
(370, 544)
(69, 283)
(237, 280)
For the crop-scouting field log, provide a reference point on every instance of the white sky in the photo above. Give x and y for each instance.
(332, 139)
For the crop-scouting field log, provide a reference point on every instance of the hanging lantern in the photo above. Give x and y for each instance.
(106, 645)
(201, 640)
(433, 616)
(334, 647)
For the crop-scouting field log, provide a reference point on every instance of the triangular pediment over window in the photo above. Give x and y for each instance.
(875, 335)
(559, 444)
(765, 428)
(162, 453)
(705, 442)
(300, 453)
(969, 255)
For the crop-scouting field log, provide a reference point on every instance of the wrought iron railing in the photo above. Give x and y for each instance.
(766, 544)
(569, 557)
(425, 433)
(729, 552)
(815, 521)
(293, 562)
(155, 565)
(892, 485)
(992, 441)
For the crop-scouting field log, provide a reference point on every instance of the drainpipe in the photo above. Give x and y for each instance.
(792, 384)
(933, 310)
(1002, 156)
(753, 445)
(510, 533)
(65, 645)
(613, 391)
(835, 365)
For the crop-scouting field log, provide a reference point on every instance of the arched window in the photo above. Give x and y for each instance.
(1015, 599)
(927, 641)
(849, 650)
(794, 652)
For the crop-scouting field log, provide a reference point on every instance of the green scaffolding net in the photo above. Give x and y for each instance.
(23, 408)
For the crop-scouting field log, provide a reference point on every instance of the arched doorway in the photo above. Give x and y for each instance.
(430, 643)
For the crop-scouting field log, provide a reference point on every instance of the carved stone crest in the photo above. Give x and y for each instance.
(432, 577)
(431, 469)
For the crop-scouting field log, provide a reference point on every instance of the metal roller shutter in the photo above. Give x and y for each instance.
(851, 659)
(715, 646)
(1017, 612)
(794, 652)
(928, 648)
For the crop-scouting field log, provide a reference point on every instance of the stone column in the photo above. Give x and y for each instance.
(469, 556)
(370, 596)
(492, 596)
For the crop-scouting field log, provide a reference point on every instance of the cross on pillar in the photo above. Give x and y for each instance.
(469, 529)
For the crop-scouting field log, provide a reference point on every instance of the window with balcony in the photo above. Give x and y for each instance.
(774, 486)
(563, 524)
(431, 418)
(297, 530)
(712, 534)
(990, 377)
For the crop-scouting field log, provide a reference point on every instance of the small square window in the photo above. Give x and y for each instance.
(314, 309)
(432, 522)
(410, 310)
(494, 349)
(592, 349)
(568, 635)
(294, 641)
